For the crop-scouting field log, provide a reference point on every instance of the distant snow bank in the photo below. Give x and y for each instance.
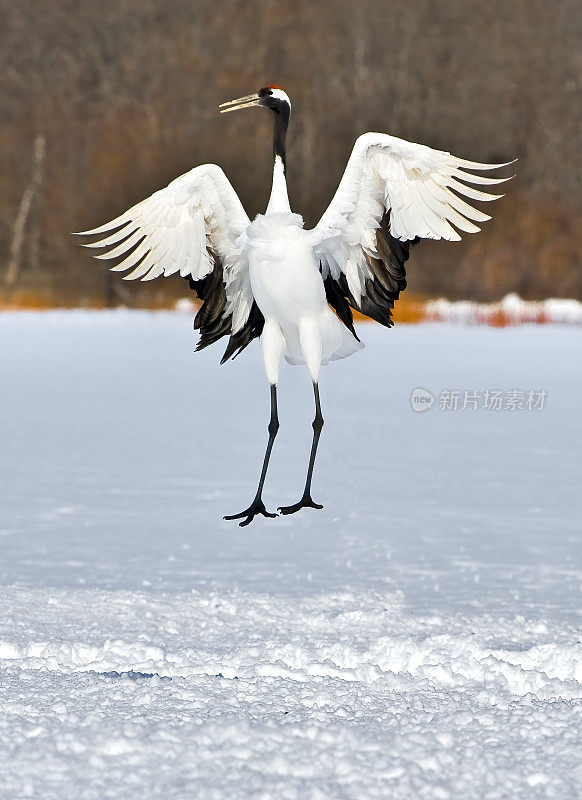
(511, 310)
(183, 304)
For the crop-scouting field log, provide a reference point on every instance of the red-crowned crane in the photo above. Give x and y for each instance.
(272, 279)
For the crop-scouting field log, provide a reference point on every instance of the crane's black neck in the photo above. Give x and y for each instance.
(282, 114)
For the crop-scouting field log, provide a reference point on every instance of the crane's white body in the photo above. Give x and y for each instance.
(286, 283)
(288, 288)
(275, 262)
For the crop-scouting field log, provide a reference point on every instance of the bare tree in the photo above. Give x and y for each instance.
(34, 185)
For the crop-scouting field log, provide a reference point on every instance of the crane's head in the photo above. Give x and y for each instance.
(272, 97)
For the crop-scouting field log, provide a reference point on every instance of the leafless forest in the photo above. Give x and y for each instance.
(103, 102)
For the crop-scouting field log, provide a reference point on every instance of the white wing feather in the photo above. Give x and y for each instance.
(421, 188)
(179, 229)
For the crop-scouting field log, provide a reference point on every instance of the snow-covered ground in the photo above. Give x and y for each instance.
(418, 638)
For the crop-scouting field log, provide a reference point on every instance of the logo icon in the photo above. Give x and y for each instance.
(421, 399)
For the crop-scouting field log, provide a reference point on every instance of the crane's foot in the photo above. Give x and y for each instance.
(305, 502)
(256, 507)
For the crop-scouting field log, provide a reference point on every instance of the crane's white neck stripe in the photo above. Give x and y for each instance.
(281, 95)
(279, 199)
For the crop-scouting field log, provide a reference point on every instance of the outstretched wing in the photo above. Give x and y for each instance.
(392, 194)
(191, 227)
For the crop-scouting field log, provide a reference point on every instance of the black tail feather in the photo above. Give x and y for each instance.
(211, 319)
(252, 329)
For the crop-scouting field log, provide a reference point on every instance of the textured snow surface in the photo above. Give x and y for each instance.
(418, 638)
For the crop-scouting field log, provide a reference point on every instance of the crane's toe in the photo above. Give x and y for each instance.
(305, 502)
(256, 507)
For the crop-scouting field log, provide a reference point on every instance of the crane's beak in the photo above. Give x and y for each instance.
(240, 102)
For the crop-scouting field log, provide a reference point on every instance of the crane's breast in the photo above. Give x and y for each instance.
(284, 274)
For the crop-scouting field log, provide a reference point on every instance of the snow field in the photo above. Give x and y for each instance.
(418, 638)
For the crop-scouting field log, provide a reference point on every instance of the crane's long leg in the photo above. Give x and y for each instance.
(257, 506)
(306, 501)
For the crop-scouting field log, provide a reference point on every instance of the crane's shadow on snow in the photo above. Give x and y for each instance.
(131, 674)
